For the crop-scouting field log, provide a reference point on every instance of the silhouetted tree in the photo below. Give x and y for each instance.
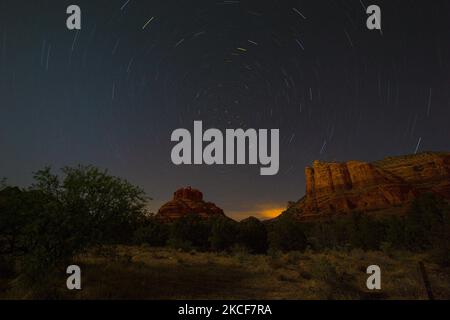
(192, 230)
(395, 232)
(365, 232)
(223, 233)
(252, 234)
(14, 215)
(427, 222)
(287, 234)
(60, 216)
(152, 232)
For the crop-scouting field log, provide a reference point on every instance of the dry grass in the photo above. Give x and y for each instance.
(160, 273)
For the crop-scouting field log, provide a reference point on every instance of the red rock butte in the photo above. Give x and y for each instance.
(187, 201)
(385, 185)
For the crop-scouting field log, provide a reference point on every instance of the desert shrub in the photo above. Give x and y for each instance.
(274, 253)
(7, 266)
(293, 257)
(440, 254)
(424, 225)
(387, 248)
(275, 259)
(365, 232)
(252, 234)
(441, 245)
(152, 232)
(324, 270)
(337, 284)
(332, 233)
(395, 232)
(223, 233)
(193, 229)
(344, 233)
(322, 235)
(427, 222)
(179, 244)
(287, 234)
(286, 277)
(14, 215)
(241, 253)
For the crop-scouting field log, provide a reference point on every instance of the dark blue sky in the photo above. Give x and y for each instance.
(111, 94)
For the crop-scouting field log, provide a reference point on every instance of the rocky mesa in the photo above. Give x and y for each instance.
(187, 201)
(386, 185)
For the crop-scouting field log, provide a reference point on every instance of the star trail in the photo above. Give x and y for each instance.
(111, 93)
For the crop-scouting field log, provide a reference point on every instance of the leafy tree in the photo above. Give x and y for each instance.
(395, 232)
(287, 234)
(427, 222)
(252, 234)
(152, 232)
(191, 229)
(60, 216)
(13, 217)
(112, 206)
(365, 232)
(223, 233)
(323, 234)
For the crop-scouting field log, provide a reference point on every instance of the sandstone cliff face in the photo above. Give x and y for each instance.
(386, 184)
(187, 201)
(426, 171)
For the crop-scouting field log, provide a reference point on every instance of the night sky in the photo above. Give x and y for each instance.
(112, 93)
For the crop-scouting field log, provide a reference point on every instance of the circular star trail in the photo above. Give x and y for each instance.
(111, 93)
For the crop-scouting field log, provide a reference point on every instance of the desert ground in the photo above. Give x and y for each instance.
(142, 272)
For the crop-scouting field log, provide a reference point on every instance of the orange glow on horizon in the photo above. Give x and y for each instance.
(261, 211)
(272, 212)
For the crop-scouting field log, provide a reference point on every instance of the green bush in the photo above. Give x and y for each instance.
(365, 232)
(153, 233)
(427, 222)
(395, 232)
(324, 270)
(191, 229)
(241, 253)
(223, 233)
(252, 234)
(62, 215)
(294, 257)
(7, 266)
(286, 234)
(441, 255)
(16, 209)
(338, 284)
(180, 244)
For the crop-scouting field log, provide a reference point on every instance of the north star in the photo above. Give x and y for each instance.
(185, 310)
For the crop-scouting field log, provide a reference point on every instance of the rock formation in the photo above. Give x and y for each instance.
(389, 184)
(187, 201)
